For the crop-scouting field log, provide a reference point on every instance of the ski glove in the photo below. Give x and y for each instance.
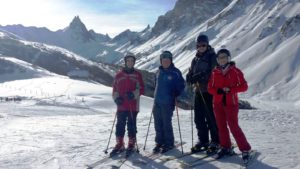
(220, 91)
(189, 78)
(130, 95)
(119, 100)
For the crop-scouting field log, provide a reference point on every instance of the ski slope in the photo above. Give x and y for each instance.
(65, 123)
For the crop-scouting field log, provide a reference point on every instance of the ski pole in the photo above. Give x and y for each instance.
(137, 147)
(206, 107)
(148, 129)
(179, 125)
(192, 107)
(112, 128)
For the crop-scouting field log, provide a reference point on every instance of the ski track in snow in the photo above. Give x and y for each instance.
(64, 137)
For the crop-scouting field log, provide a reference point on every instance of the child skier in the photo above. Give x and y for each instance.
(128, 85)
(169, 85)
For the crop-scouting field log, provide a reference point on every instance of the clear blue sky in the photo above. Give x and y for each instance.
(104, 16)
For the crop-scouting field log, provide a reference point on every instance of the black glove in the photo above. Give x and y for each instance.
(189, 78)
(200, 78)
(119, 100)
(220, 91)
(130, 95)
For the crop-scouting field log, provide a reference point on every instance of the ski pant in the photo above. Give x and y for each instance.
(122, 118)
(163, 124)
(204, 118)
(228, 115)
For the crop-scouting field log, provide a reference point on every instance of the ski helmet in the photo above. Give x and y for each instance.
(129, 55)
(166, 54)
(202, 38)
(225, 51)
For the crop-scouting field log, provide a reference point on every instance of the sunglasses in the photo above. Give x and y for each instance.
(222, 56)
(201, 46)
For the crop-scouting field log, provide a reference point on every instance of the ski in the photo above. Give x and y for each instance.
(105, 159)
(200, 161)
(123, 160)
(198, 157)
(168, 153)
(149, 157)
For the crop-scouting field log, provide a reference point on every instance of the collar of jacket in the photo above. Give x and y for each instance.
(169, 68)
(209, 51)
(225, 70)
(128, 70)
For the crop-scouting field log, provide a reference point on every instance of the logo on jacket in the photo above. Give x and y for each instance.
(170, 77)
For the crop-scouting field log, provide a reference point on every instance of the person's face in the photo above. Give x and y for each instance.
(130, 62)
(165, 62)
(202, 47)
(222, 59)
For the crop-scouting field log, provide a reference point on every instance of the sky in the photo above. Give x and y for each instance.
(103, 16)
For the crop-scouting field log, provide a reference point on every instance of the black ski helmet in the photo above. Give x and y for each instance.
(202, 38)
(224, 51)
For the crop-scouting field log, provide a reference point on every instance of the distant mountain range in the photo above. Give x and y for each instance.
(262, 35)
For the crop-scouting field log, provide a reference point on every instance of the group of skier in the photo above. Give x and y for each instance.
(215, 81)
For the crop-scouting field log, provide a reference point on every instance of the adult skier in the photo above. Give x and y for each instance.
(224, 84)
(197, 77)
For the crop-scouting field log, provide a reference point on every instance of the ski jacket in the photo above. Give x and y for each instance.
(201, 68)
(169, 84)
(125, 82)
(230, 77)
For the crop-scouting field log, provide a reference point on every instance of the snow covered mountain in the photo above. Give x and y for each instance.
(75, 38)
(53, 59)
(262, 35)
(15, 69)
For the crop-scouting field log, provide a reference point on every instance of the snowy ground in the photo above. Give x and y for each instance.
(65, 124)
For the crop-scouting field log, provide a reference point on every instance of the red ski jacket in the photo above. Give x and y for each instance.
(230, 77)
(128, 82)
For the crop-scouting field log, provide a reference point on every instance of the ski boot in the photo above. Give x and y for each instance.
(224, 152)
(157, 148)
(166, 148)
(131, 146)
(246, 156)
(212, 148)
(119, 147)
(199, 147)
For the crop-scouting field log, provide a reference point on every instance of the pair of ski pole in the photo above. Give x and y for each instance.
(178, 127)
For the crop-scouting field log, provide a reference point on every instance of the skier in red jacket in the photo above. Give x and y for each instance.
(225, 82)
(128, 85)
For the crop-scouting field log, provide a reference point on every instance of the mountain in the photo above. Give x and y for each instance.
(15, 69)
(54, 59)
(76, 38)
(263, 37)
(187, 14)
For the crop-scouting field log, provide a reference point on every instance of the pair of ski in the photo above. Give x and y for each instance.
(200, 161)
(146, 158)
(121, 156)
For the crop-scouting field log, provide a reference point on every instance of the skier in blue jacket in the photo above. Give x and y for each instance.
(169, 85)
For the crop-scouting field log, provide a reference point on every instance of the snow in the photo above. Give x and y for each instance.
(65, 123)
(262, 41)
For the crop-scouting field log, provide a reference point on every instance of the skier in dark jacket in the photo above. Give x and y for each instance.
(128, 85)
(169, 85)
(197, 77)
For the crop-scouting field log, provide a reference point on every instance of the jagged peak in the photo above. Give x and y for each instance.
(77, 24)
